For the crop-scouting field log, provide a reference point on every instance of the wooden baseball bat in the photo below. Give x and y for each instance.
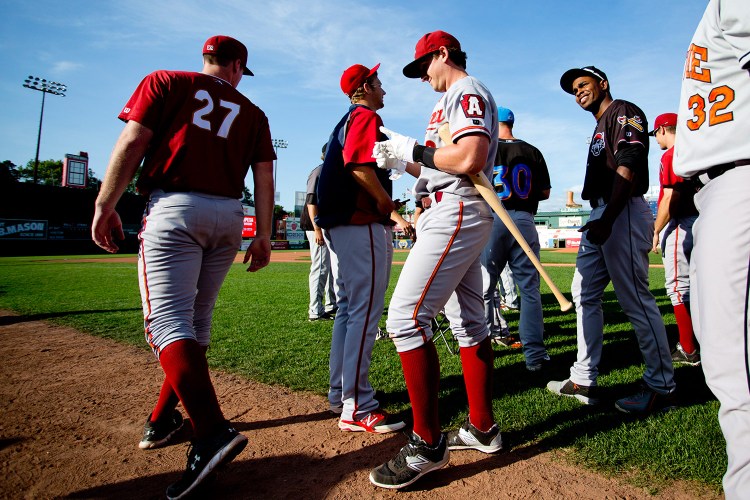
(488, 193)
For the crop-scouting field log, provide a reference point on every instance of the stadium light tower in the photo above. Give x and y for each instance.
(277, 143)
(45, 87)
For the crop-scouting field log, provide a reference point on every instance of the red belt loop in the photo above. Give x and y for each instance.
(438, 196)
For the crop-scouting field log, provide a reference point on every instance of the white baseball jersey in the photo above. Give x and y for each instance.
(469, 108)
(713, 124)
(713, 129)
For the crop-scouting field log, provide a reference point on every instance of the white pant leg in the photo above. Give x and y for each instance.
(183, 260)
(719, 282)
(509, 287)
(491, 296)
(677, 247)
(319, 279)
(358, 255)
(452, 234)
(493, 259)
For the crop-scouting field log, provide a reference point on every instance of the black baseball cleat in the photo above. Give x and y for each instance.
(158, 434)
(679, 356)
(647, 401)
(413, 461)
(468, 437)
(588, 395)
(204, 457)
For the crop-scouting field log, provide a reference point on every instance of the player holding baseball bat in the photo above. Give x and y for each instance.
(443, 268)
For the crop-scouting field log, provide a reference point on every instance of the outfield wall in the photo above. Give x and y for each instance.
(51, 220)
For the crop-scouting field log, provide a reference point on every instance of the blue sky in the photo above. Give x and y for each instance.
(299, 49)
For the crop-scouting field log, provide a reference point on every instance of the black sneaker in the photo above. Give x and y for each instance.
(539, 365)
(203, 459)
(413, 461)
(679, 356)
(588, 395)
(469, 437)
(646, 401)
(158, 434)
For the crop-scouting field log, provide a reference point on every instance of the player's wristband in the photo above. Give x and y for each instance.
(425, 156)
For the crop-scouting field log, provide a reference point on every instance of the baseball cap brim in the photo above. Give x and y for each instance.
(411, 70)
(247, 72)
(567, 79)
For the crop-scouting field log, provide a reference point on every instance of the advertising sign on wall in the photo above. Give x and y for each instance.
(19, 229)
(249, 227)
(294, 233)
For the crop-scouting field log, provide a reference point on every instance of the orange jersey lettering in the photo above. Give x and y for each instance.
(693, 70)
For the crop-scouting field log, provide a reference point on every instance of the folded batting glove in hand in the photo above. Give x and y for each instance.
(399, 146)
(385, 161)
(398, 167)
(381, 155)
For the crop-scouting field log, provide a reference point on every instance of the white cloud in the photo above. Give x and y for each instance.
(65, 67)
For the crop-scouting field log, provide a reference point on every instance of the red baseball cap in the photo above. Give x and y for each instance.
(225, 46)
(664, 120)
(355, 76)
(426, 45)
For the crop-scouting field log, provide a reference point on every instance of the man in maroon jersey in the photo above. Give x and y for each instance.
(197, 137)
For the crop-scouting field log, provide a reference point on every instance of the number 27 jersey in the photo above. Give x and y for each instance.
(206, 133)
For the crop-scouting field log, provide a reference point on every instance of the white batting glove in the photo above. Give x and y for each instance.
(387, 162)
(380, 153)
(398, 167)
(399, 146)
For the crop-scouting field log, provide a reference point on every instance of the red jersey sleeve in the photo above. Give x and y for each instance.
(667, 176)
(363, 132)
(146, 105)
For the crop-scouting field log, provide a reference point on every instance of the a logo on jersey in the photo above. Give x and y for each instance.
(597, 144)
(634, 122)
(473, 106)
(436, 117)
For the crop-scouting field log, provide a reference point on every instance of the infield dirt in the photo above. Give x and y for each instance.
(73, 406)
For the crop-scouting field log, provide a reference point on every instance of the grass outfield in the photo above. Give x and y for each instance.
(261, 332)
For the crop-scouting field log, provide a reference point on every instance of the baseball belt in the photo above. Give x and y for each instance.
(712, 173)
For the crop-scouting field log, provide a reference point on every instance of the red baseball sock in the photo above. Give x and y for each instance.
(185, 365)
(422, 374)
(166, 403)
(477, 365)
(685, 327)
